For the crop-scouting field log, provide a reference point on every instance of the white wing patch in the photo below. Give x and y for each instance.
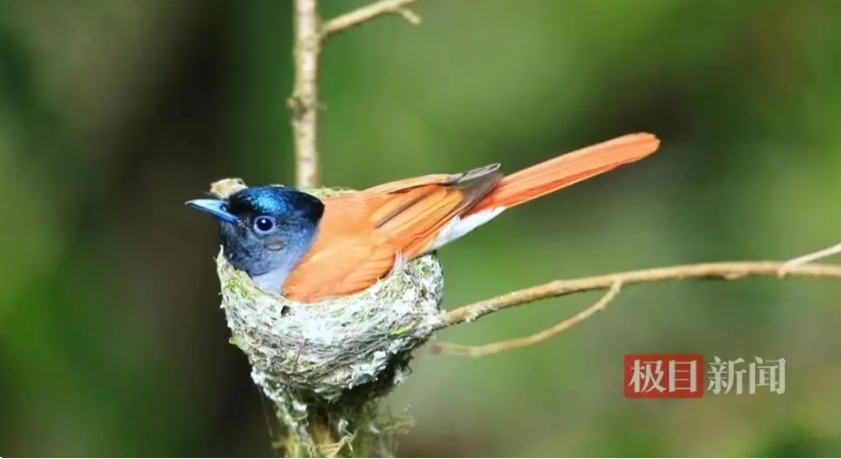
(458, 227)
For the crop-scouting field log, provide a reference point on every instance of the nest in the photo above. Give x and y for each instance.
(346, 350)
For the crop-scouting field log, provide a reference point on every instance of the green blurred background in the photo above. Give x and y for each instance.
(114, 112)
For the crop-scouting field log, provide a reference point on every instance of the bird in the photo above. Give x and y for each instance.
(307, 249)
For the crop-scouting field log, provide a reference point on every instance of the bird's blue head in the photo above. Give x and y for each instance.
(265, 231)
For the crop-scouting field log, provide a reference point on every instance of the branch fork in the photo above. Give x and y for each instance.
(310, 35)
(614, 282)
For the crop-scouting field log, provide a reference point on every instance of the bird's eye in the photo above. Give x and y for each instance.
(264, 224)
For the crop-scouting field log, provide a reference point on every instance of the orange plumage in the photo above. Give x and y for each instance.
(362, 233)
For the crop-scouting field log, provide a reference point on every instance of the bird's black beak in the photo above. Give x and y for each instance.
(213, 207)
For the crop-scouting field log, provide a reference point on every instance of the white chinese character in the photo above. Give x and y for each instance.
(647, 376)
(771, 373)
(689, 381)
(723, 375)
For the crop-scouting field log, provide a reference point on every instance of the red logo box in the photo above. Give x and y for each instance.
(664, 376)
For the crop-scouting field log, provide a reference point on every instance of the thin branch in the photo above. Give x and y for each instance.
(369, 12)
(304, 104)
(809, 258)
(304, 101)
(724, 270)
(531, 340)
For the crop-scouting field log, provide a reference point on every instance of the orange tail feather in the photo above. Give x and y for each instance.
(568, 169)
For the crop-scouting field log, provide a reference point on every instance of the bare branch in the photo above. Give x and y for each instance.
(724, 271)
(304, 101)
(531, 340)
(809, 258)
(367, 13)
(304, 104)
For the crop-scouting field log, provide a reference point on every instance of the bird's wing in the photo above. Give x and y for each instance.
(347, 265)
(361, 234)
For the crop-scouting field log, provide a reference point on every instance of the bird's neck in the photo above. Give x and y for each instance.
(272, 281)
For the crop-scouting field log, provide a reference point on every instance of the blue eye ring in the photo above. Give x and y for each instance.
(264, 224)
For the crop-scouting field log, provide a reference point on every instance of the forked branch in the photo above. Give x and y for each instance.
(809, 258)
(531, 340)
(721, 271)
(366, 13)
(310, 34)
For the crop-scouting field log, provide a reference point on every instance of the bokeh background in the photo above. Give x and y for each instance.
(114, 112)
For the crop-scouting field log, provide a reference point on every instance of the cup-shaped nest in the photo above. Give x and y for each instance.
(353, 346)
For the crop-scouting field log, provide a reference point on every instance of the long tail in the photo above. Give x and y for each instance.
(568, 169)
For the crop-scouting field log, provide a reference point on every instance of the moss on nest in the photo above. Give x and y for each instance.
(324, 349)
(333, 357)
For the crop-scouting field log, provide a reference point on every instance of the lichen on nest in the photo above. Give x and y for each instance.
(323, 349)
(340, 351)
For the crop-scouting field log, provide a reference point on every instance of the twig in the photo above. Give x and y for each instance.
(304, 101)
(310, 34)
(531, 340)
(724, 270)
(808, 258)
(366, 13)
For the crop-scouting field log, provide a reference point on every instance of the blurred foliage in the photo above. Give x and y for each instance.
(113, 113)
